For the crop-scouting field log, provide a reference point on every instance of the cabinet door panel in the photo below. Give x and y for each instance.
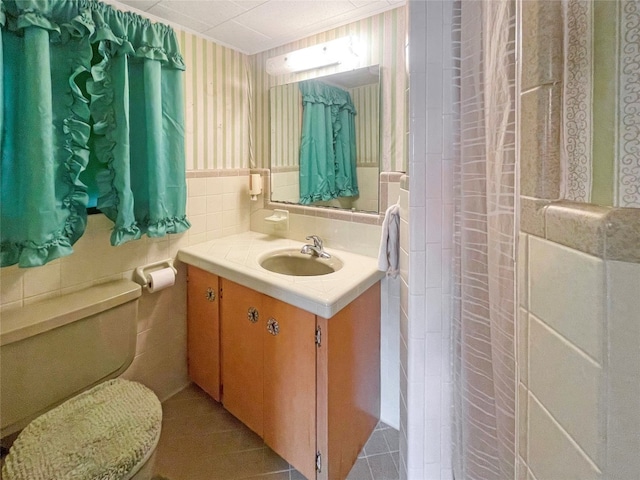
(242, 354)
(348, 382)
(203, 331)
(290, 385)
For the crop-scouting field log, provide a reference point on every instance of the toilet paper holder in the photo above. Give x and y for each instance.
(140, 273)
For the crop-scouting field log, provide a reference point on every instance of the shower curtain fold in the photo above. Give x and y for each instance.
(484, 306)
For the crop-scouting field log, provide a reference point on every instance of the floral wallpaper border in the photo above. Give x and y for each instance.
(628, 165)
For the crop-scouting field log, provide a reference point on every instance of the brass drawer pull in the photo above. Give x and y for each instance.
(273, 327)
(253, 315)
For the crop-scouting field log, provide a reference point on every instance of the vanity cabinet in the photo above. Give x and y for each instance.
(308, 385)
(203, 330)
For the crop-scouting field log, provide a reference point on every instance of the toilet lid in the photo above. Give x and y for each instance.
(107, 432)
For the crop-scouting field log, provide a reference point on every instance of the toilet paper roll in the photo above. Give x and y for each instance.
(160, 279)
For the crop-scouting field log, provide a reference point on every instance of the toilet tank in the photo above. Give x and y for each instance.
(56, 348)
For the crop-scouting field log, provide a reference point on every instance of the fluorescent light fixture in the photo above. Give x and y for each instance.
(335, 52)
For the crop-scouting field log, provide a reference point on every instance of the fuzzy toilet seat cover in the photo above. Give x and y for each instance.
(107, 432)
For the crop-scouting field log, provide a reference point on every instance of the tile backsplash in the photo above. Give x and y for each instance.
(217, 204)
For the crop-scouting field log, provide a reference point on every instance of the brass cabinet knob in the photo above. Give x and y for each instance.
(211, 294)
(253, 315)
(273, 327)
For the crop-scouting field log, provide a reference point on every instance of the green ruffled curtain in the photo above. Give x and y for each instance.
(328, 143)
(81, 80)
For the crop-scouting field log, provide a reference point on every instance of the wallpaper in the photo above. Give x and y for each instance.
(286, 113)
(367, 102)
(217, 93)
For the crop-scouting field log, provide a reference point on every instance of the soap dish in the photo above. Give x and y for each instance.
(279, 217)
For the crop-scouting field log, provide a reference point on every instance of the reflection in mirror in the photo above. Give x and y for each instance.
(286, 112)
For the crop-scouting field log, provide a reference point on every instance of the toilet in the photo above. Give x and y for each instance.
(60, 359)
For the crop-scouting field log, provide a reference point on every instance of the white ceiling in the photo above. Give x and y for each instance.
(253, 26)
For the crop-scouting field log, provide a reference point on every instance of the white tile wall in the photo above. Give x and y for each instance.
(429, 247)
(578, 415)
(404, 334)
(217, 206)
(572, 394)
(623, 383)
(566, 290)
(552, 452)
(390, 352)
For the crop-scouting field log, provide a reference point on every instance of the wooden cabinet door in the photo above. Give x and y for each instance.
(203, 330)
(290, 384)
(242, 333)
(348, 383)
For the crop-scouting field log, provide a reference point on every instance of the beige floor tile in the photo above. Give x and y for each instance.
(392, 436)
(186, 426)
(383, 467)
(360, 470)
(247, 464)
(376, 444)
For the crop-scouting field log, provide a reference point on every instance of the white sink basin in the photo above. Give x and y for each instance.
(290, 261)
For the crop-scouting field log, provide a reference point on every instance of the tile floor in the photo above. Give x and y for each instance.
(201, 441)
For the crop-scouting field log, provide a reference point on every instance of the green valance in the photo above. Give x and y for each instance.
(82, 82)
(131, 34)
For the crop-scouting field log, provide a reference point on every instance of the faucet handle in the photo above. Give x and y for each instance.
(317, 241)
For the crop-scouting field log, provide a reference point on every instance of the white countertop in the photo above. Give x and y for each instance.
(236, 258)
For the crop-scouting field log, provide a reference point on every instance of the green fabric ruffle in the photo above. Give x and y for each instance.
(80, 25)
(76, 131)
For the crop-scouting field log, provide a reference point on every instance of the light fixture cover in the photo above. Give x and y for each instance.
(322, 55)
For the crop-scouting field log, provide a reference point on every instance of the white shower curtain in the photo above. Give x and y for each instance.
(484, 307)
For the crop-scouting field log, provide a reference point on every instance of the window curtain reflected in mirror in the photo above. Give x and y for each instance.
(328, 144)
(83, 81)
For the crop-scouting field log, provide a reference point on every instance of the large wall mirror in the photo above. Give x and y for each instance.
(356, 139)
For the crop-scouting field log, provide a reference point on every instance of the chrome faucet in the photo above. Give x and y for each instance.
(316, 249)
